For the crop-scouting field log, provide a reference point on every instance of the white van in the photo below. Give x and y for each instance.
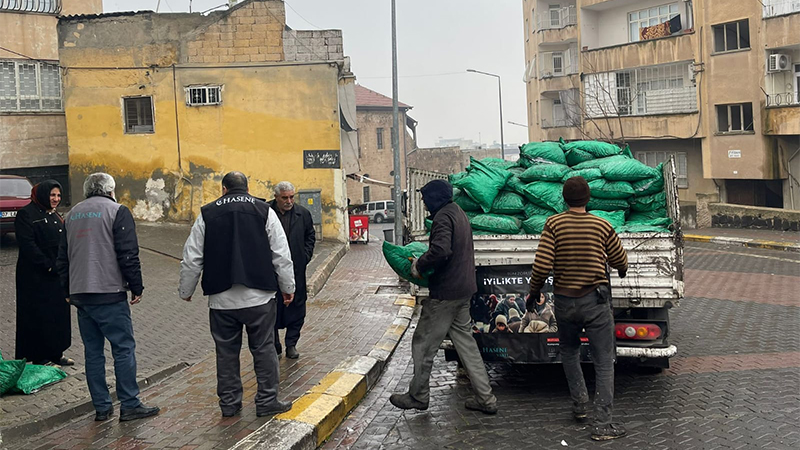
(379, 211)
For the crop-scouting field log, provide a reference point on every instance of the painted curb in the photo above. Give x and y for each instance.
(321, 275)
(14, 433)
(317, 414)
(745, 242)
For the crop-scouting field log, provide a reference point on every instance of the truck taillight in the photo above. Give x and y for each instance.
(637, 331)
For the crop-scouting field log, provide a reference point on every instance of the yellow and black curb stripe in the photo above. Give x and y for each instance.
(752, 243)
(317, 414)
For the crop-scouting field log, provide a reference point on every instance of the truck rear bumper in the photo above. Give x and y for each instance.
(634, 352)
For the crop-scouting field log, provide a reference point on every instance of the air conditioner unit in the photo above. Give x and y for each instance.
(778, 62)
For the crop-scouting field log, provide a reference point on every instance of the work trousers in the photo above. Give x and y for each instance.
(575, 314)
(226, 329)
(437, 319)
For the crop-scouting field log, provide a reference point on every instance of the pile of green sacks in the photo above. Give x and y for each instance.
(517, 197)
(17, 377)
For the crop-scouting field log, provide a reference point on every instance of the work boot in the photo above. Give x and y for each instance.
(608, 431)
(473, 405)
(406, 401)
(102, 416)
(580, 411)
(276, 408)
(140, 412)
(291, 353)
(230, 412)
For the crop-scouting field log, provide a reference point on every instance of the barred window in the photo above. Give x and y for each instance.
(138, 115)
(203, 95)
(29, 85)
(653, 159)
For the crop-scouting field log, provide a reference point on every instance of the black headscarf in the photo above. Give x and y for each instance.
(40, 194)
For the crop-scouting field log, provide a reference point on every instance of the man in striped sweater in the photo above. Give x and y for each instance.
(576, 246)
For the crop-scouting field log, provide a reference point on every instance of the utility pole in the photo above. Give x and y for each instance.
(398, 192)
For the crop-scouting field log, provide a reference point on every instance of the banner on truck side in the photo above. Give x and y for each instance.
(502, 327)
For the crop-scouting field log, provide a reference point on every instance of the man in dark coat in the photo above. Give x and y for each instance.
(299, 227)
(451, 256)
(43, 315)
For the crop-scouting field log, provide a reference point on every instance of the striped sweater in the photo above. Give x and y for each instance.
(576, 247)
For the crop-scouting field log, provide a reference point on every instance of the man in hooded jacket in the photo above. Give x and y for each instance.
(452, 285)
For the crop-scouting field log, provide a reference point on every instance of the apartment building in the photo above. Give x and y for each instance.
(712, 82)
(33, 131)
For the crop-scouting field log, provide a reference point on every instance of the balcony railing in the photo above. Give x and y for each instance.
(779, 99)
(557, 18)
(558, 64)
(31, 6)
(772, 8)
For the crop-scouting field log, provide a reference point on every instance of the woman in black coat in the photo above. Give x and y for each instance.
(43, 315)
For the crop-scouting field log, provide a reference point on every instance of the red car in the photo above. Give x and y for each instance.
(15, 194)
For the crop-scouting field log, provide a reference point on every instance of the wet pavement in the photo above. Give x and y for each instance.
(735, 382)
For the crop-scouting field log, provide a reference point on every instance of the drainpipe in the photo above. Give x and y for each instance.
(791, 176)
(178, 142)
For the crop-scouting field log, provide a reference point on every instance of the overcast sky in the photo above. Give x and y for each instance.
(437, 41)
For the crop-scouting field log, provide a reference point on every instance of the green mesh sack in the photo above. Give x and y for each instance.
(35, 377)
(463, 200)
(516, 171)
(532, 209)
(496, 223)
(595, 148)
(534, 224)
(10, 371)
(647, 203)
(659, 222)
(499, 163)
(628, 170)
(615, 218)
(650, 185)
(587, 174)
(516, 185)
(454, 177)
(545, 172)
(508, 203)
(483, 183)
(645, 216)
(600, 162)
(607, 204)
(471, 214)
(611, 189)
(547, 151)
(547, 195)
(428, 225)
(398, 258)
(575, 157)
(631, 228)
(627, 151)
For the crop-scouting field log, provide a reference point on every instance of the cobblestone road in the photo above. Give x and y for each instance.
(346, 318)
(734, 384)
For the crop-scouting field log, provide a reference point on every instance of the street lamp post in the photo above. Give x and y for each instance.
(398, 192)
(500, 96)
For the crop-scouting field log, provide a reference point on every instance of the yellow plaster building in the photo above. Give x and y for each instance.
(169, 103)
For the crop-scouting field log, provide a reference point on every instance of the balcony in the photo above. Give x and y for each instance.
(555, 19)
(558, 63)
(31, 6)
(775, 8)
(645, 91)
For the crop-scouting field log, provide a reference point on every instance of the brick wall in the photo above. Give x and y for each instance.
(250, 32)
(313, 45)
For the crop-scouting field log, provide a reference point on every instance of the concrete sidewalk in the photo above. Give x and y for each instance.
(355, 313)
(170, 334)
(769, 239)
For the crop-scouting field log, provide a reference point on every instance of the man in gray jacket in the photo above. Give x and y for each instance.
(238, 245)
(98, 262)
